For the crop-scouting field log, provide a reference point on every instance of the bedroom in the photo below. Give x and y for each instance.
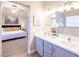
(14, 29)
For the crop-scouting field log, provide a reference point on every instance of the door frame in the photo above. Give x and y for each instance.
(28, 21)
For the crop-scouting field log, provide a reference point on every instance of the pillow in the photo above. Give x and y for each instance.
(11, 29)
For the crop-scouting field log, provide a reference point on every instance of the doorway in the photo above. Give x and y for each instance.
(15, 29)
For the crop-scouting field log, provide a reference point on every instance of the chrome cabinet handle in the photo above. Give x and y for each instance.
(53, 49)
(53, 54)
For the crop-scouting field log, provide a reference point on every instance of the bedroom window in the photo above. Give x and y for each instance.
(72, 21)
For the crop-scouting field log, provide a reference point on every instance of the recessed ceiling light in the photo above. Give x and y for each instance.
(14, 11)
(67, 8)
(61, 9)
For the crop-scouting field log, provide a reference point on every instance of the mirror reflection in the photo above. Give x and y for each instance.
(66, 18)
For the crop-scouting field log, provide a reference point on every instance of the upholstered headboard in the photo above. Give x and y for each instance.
(11, 27)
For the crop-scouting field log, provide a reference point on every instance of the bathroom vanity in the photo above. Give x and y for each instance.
(49, 46)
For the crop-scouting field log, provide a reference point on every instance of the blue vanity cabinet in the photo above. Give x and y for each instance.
(47, 49)
(59, 52)
(39, 46)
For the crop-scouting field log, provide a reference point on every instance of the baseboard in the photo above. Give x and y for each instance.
(30, 52)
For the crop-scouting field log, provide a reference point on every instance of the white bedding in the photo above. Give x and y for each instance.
(13, 34)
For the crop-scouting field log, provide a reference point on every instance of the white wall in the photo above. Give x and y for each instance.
(48, 5)
(0, 32)
(35, 9)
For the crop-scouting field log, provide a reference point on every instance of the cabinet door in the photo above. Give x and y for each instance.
(46, 54)
(39, 46)
(59, 52)
(48, 44)
(47, 49)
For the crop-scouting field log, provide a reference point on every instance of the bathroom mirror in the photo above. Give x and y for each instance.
(70, 21)
(72, 18)
(67, 18)
(54, 24)
(67, 15)
(59, 19)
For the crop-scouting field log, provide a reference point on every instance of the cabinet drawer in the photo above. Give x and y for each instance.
(47, 44)
(46, 54)
(48, 50)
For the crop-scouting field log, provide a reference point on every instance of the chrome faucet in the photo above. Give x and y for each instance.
(69, 39)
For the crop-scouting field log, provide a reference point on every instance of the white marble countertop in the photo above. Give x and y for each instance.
(61, 42)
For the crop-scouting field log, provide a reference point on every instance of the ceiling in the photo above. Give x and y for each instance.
(9, 7)
(46, 4)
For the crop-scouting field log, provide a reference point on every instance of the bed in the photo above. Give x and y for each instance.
(12, 32)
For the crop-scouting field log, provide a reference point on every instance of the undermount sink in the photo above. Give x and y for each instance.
(69, 40)
(70, 44)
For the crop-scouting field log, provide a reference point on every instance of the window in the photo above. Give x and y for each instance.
(72, 21)
(61, 21)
